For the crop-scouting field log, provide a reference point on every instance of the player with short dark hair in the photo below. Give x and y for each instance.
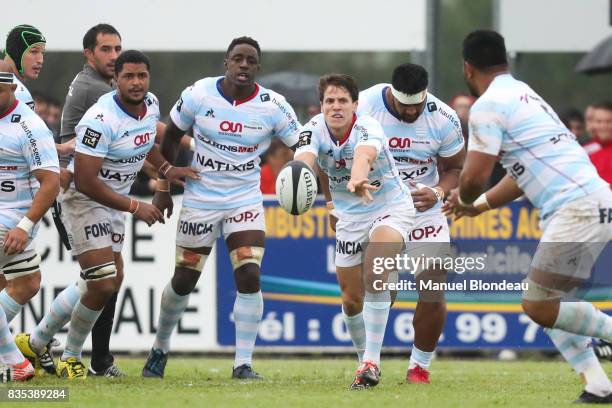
(425, 139)
(546, 164)
(113, 139)
(372, 206)
(233, 121)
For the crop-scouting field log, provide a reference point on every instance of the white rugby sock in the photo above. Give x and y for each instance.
(248, 311)
(356, 328)
(420, 358)
(583, 318)
(375, 315)
(58, 315)
(10, 305)
(578, 352)
(9, 353)
(81, 323)
(172, 307)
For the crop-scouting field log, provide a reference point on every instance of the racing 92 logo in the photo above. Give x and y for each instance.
(232, 127)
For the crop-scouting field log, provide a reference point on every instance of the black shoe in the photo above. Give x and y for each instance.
(588, 398)
(46, 357)
(156, 364)
(368, 375)
(245, 372)
(110, 371)
(603, 349)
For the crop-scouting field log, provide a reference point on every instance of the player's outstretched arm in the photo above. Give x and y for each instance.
(502, 193)
(86, 181)
(475, 175)
(17, 238)
(362, 162)
(324, 181)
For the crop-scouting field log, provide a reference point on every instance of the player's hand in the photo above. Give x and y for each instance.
(423, 199)
(149, 213)
(15, 241)
(452, 207)
(65, 149)
(362, 189)
(176, 174)
(163, 201)
(65, 179)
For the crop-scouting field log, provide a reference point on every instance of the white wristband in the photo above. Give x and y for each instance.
(192, 144)
(421, 186)
(26, 224)
(481, 203)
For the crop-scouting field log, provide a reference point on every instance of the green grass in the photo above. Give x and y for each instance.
(323, 382)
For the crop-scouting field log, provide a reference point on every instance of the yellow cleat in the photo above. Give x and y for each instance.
(71, 369)
(43, 361)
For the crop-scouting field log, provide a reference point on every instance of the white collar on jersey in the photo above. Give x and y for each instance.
(409, 99)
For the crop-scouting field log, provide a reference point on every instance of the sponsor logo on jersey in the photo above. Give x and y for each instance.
(305, 138)
(348, 247)
(413, 161)
(247, 216)
(194, 228)
(222, 166)
(99, 117)
(179, 104)
(230, 128)
(264, 97)
(7, 186)
(418, 234)
(450, 117)
(291, 119)
(210, 113)
(142, 139)
(605, 215)
(431, 107)
(115, 175)
(227, 148)
(15, 118)
(33, 146)
(91, 138)
(133, 159)
(31, 105)
(340, 164)
(96, 230)
(399, 142)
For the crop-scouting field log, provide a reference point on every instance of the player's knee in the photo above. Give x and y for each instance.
(24, 288)
(184, 281)
(246, 255)
(540, 303)
(103, 276)
(352, 303)
(188, 259)
(23, 278)
(247, 278)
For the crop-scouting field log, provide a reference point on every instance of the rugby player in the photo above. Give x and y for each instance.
(233, 120)
(101, 47)
(29, 179)
(372, 203)
(113, 139)
(544, 161)
(424, 133)
(24, 53)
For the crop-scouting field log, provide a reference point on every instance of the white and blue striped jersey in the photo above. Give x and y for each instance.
(22, 93)
(229, 138)
(109, 131)
(335, 158)
(416, 146)
(26, 144)
(536, 149)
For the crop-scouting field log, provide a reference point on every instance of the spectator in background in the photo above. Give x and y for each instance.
(50, 111)
(276, 157)
(589, 123)
(462, 102)
(574, 121)
(600, 147)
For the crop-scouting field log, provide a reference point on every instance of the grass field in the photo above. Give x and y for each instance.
(296, 383)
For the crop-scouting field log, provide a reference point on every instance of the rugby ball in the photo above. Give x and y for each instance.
(296, 187)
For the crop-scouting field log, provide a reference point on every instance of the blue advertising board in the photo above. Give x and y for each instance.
(302, 299)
